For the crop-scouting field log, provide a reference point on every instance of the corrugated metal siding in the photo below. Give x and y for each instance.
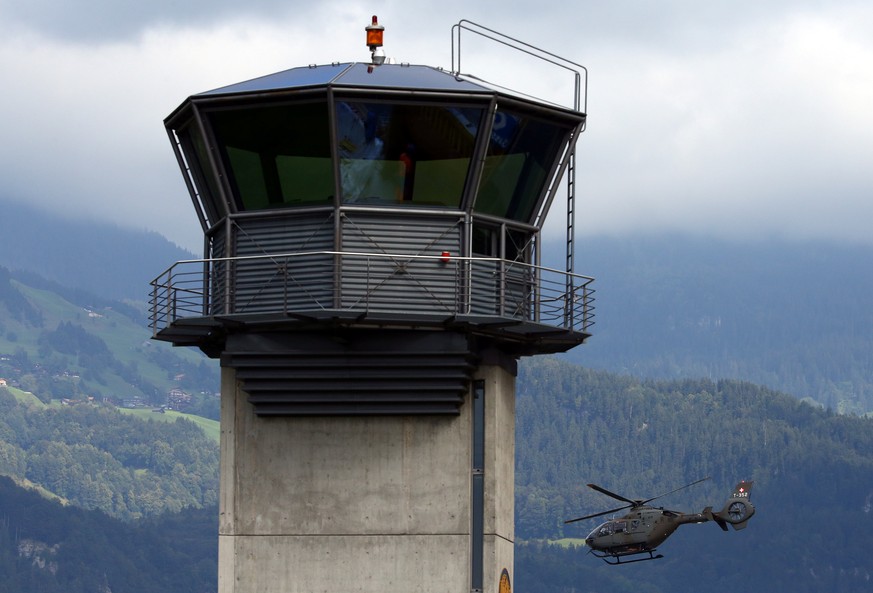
(263, 282)
(267, 284)
(404, 283)
(485, 292)
(367, 373)
(218, 275)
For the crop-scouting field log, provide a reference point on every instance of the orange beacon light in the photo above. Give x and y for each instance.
(374, 34)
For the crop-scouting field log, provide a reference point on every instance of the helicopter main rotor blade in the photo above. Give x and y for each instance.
(603, 490)
(599, 514)
(677, 490)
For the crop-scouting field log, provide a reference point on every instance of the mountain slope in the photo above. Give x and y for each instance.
(57, 348)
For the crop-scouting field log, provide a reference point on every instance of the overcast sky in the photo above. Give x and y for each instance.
(736, 119)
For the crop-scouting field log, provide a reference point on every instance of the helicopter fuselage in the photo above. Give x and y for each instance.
(640, 531)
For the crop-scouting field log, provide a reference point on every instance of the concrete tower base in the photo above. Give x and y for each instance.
(375, 504)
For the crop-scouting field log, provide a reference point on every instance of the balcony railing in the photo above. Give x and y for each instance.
(291, 283)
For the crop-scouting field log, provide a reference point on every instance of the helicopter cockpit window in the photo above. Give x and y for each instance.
(620, 527)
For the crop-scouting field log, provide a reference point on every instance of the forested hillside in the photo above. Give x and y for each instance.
(813, 473)
(97, 457)
(49, 548)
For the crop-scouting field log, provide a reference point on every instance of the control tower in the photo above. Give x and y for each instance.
(371, 276)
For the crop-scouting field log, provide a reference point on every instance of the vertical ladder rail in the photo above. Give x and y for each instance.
(569, 294)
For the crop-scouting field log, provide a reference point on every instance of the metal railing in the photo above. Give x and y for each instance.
(369, 283)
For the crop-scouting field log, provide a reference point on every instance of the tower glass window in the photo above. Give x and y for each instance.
(276, 156)
(521, 153)
(415, 154)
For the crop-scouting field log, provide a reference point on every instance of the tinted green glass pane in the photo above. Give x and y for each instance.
(247, 173)
(521, 153)
(405, 153)
(276, 156)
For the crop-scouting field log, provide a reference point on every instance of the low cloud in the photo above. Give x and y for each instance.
(760, 127)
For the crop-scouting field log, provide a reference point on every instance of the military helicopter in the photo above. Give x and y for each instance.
(644, 528)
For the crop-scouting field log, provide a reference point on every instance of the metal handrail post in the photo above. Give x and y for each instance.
(206, 288)
(171, 297)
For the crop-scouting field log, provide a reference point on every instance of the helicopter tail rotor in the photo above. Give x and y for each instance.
(737, 510)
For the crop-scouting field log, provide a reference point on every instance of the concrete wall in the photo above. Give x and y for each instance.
(361, 504)
(499, 473)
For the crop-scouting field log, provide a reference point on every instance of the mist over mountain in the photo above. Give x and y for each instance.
(794, 316)
(100, 258)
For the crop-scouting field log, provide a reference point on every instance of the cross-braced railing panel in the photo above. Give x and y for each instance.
(371, 283)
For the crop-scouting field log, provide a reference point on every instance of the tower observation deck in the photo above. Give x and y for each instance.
(353, 196)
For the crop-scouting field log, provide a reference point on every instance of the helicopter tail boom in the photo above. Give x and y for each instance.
(707, 512)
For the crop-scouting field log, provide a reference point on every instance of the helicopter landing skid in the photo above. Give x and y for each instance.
(616, 559)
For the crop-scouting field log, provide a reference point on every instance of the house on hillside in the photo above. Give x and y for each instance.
(178, 400)
(75, 402)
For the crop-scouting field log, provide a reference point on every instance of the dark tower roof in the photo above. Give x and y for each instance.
(350, 74)
(354, 75)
